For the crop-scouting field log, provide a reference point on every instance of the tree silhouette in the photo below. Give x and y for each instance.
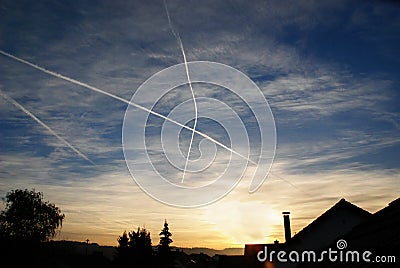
(26, 222)
(28, 217)
(140, 242)
(165, 239)
(164, 251)
(123, 241)
(123, 249)
(134, 249)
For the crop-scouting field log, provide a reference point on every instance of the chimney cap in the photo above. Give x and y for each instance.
(286, 212)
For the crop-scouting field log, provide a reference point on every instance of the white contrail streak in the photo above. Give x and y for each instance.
(73, 81)
(178, 38)
(40, 122)
(285, 180)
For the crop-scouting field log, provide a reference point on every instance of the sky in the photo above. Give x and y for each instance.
(329, 71)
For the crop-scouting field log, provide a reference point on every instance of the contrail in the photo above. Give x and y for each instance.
(40, 122)
(285, 180)
(73, 81)
(178, 38)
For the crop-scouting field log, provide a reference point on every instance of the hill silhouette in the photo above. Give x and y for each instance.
(79, 248)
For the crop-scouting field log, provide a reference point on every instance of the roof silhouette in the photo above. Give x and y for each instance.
(343, 204)
(381, 232)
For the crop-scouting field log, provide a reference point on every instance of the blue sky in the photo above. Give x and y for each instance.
(328, 69)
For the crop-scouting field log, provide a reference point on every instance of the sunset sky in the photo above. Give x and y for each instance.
(330, 71)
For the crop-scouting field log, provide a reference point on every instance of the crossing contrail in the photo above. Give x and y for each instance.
(40, 122)
(73, 81)
(178, 38)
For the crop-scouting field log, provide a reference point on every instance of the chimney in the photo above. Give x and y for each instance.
(286, 224)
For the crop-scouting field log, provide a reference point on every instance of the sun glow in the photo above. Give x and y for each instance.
(249, 222)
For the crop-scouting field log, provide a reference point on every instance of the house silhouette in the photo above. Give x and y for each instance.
(378, 233)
